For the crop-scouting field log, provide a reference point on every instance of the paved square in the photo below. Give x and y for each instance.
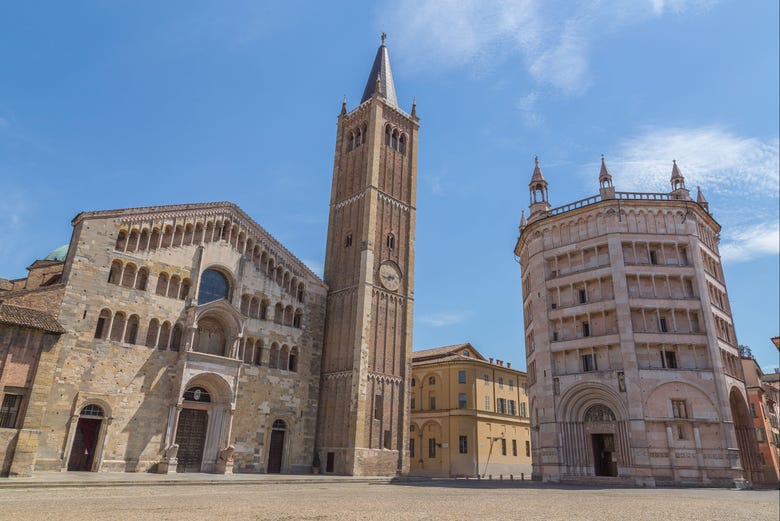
(457, 500)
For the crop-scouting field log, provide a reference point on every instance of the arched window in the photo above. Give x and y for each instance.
(264, 309)
(198, 238)
(390, 241)
(154, 241)
(162, 284)
(121, 240)
(209, 235)
(92, 411)
(178, 235)
(184, 292)
(284, 358)
(187, 234)
(358, 138)
(115, 275)
(299, 295)
(152, 332)
(132, 242)
(143, 242)
(258, 352)
(387, 135)
(279, 313)
(167, 237)
(351, 143)
(101, 330)
(128, 276)
(298, 318)
(173, 287)
(279, 425)
(213, 286)
(365, 133)
(249, 345)
(141, 279)
(254, 306)
(293, 363)
(394, 143)
(165, 336)
(402, 144)
(131, 331)
(273, 361)
(288, 316)
(176, 337)
(118, 326)
(245, 304)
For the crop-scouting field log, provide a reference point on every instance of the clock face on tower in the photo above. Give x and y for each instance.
(390, 276)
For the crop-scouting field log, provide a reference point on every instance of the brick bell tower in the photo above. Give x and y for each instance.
(363, 426)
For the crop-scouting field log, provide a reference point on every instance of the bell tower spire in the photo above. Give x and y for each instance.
(363, 426)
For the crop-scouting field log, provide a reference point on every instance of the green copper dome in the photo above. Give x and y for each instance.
(58, 254)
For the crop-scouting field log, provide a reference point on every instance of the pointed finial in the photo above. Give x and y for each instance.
(414, 107)
(536, 160)
(523, 220)
(344, 106)
(383, 36)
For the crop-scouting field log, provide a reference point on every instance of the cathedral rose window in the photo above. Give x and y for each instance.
(213, 286)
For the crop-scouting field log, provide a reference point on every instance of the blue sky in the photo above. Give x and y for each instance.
(120, 104)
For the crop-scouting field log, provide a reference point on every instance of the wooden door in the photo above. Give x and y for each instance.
(191, 438)
(82, 453)
(276, 451)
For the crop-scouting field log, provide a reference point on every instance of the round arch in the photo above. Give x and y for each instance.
(579, 398)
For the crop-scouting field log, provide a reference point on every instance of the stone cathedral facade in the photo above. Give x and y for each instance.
(633, 363)
(186, 338)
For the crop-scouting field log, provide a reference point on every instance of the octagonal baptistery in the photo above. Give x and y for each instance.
(193, 343)
(633, 363)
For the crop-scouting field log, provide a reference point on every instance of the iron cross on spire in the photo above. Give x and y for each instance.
(383, 36)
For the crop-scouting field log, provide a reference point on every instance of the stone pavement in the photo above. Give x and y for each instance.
(324, 498)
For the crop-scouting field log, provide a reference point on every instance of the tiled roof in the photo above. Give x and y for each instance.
(32, 318)
(440, 352)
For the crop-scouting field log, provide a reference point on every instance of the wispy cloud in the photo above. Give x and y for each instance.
(735, 173)
(752, 242)
(718, 160)
(445, 318)
(447, 34)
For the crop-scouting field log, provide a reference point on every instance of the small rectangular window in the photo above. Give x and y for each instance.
(653, 257)
(585, 329)
(514, 447)
(680, 432)
(528, 449)
(487, 403)
(513, 407)
(378, 407)
(348, 240)
(388, 439)
(463, 445)
(485, 378)
(588, 363)
(461, 377)
(511, 384)
(411, 447)
(583, 296)
(669, 359)
(412, 404)
(500, 382)
(431, 447)
(9, 411)
(503, 447)
(432, 403)
(662, 325)
(462, 401)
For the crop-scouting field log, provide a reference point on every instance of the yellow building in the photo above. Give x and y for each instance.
(469, 415)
